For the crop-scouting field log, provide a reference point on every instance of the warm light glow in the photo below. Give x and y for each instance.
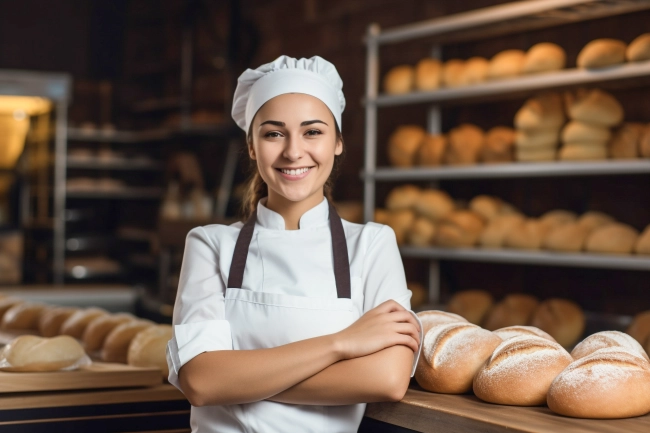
(15, 112)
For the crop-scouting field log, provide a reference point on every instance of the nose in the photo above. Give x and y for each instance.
(293, 149)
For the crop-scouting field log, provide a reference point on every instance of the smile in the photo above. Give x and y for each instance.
(295, 172)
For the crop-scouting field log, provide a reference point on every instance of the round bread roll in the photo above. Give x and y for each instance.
(452, 353)
(399, 80)
(116, 344)
(613, 238)
(528, 234)
(642, 245)
(460, 228)
(401, 221)
(536, 138)
(514, 309)
(473, 305)
(97, 330)
(434, 204)
(431, 318)
(452, 71)
(50, 321)
(602, 52)
(7, 302)
(519, 331)
(486, 206)
(593, 219)
(432, 150)
(148, 348)
(474, 72)
(639, 49)
(350, 210)
(543, 57)
(31, 353)
(23, 315)
(428, 74)
(609, 383)
(558, 217)
(465, 145)
(418, 294)
(625, 143)
(508, 63)
(520, 371)
(576, 131)
(544, 111)
(640, 327)
(561, 318)
(583, 151)
(604, 339)
(644, 143)
(498, 145)
(569, 237)
(403, 145)
(421, 233)
(75, 325)
(497, 229)
(403, 197)
(381, 216)
(536, 154)
(594, 106)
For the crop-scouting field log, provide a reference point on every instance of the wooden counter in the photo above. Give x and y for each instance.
(423, 411)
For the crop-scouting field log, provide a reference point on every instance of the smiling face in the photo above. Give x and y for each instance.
(294, 142)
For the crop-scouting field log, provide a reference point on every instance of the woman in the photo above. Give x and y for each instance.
(295, 319)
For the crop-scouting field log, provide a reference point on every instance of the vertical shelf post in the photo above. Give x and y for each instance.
(372, 84)
(60, 155)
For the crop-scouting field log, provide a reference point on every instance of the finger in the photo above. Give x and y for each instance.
(405, 340)
(405, 317)
(389, 306)
(407, 329)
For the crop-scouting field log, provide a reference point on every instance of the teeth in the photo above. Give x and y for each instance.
(295, 172)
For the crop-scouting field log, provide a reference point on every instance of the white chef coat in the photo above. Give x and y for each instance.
(278, 261)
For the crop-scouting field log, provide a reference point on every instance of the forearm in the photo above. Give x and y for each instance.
(243, 376)
(382, 376)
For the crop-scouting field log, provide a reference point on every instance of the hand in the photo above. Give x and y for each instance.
(386, 325)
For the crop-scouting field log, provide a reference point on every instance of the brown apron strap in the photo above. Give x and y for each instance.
(339, 250)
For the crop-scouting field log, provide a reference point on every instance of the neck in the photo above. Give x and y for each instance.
(291, 211)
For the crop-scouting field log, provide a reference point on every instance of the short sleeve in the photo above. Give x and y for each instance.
(384, 278)
(199, 322)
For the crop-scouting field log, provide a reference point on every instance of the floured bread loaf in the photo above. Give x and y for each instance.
(609, 383)
(116, 344)
(473, 305)
(520, 371)
(147, 349)
(403, 145)
(602, 52)
(613, 238)
(399, 80)
(97, 330)
(561, 318)
(22, 316)
(428, 74)
(494, 235)
(31, 353)
(452, 353)
(421, 233)
(521, 331)
(434, 204)
(507, 63)
(403, 197)
(514, 309)
(75, 325)
(50, 321)
(639, 49)
(543, 57)
(603, 339)
(432, 318)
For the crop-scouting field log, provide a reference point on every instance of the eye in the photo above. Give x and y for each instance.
(313, 132)
(272, 134)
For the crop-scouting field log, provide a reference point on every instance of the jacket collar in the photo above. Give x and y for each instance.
(314, 217)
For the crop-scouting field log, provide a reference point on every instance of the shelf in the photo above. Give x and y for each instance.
(127, 193)
(111, 136)
(514, 169)
(515, 87)
(524, 257)
(114, 164)
(508, 18)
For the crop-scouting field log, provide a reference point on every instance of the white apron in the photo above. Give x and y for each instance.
(261, 320)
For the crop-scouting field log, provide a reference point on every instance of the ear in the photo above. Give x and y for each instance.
(251, 152)
(338, 149)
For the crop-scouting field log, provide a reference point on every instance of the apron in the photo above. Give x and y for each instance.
(264, 320)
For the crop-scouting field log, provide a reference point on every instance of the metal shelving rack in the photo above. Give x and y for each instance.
(482, 23)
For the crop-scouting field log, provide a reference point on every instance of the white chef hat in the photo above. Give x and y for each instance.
(316, 77)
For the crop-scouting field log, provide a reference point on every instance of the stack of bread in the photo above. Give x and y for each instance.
(606, 52)
(538, 123)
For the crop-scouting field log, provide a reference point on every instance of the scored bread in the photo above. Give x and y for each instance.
(431, 318)
(7, 302)
(514, 309)
(24, 315)
(75, 325)
(473, 305)
(561, 318)
(97, 330)
(116, 344)
(519, 330)
(32, 353)
(147, 349)
(50, 321)
(604, 339)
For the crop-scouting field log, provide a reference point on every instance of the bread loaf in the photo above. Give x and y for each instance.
(403, 197)
(148, 348)
(452, 72)
(23, 315)
(381, 216)
(625, 143)
(452, 353)
(569, 237)
(519, 331)
(7, 302)
(431, 318)
(536, 154)
(422, 232)
(431, 150)
(116, 344)
(474, 71)
(639, 49)
(642, 245)
(561, 318)
(644, 143)
(434, 204)
(75, 325)
(486, 206)
(498, 145)
(604, 339)
(473, 305)
(401, 221)
(609, 383)
(640, 327)
(465, 145)
(403, 145)
(591, 220)
(31, 353)
(528, 234)
(428, 74)
(602, 52)
(543, 57)
(507, 63)
(557, 217)
(460, 228)
(399, 80)
(583, 151)
(544, 111)
(97, 330)
(536, 138)
(50, 321)
(514, 309)
(520, 371)
(494, 235)
(594, 106)
(614, 238)
(577, 131)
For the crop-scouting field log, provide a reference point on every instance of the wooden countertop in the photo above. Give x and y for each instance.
(428, 412)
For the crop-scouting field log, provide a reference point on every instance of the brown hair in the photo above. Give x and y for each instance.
(255, 188)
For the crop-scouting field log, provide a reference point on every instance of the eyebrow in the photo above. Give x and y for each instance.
(282, 124)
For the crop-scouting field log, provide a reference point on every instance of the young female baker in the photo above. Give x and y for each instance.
(295, 319)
